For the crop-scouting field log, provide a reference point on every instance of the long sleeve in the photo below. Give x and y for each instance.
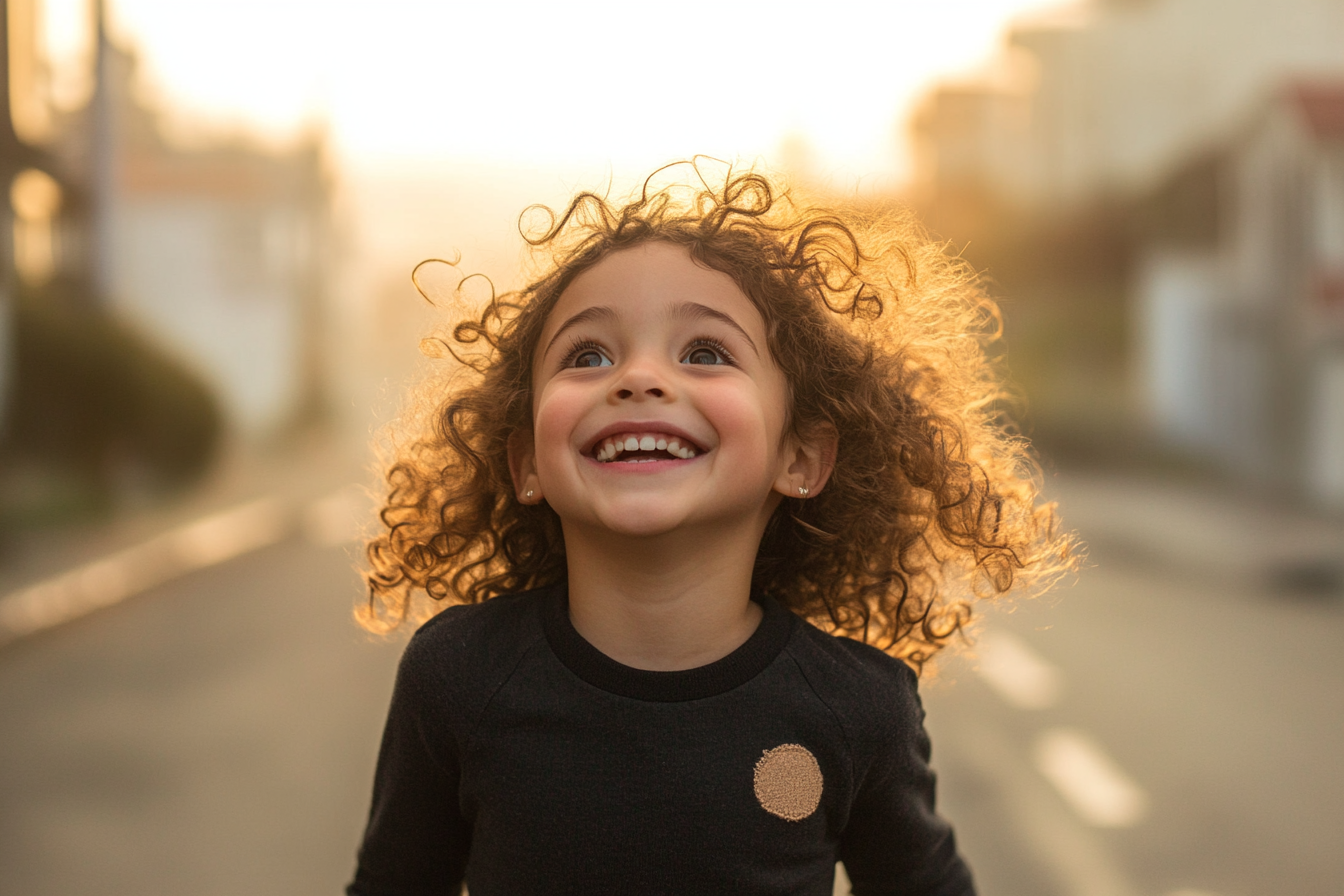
(417, 841)
(895, 843)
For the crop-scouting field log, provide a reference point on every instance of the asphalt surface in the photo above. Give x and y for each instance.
(213, 736)
(216, 734)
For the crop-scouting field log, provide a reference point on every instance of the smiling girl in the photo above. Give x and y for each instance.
(695, 505)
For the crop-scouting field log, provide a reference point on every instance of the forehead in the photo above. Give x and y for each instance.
(648, 279)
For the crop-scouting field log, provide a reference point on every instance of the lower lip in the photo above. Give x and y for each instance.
(645, 466)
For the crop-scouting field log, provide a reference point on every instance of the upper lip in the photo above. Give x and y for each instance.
(636, 426)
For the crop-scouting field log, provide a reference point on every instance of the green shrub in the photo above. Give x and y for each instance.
(91, 396)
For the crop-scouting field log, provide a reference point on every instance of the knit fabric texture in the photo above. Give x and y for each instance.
(519, 758)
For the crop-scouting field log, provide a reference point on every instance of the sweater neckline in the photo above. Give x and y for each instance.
(720, 676)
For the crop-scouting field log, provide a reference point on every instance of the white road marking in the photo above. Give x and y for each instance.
(1079, 859)
(1089, 780)
(1017, 673)
(111, 579)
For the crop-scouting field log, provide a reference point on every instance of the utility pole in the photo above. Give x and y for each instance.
(12, 154)
(103, 162)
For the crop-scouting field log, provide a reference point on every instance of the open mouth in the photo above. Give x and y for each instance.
(643, 447)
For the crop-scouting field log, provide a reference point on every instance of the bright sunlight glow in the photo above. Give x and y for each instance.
(583, 83)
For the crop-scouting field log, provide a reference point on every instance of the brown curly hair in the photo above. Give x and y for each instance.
(881, 335)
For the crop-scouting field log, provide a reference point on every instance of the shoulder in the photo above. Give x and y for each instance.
(870, 691)
(468, 650)
(851, 666)
(487, 627)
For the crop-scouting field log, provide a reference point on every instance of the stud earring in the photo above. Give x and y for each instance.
(529, 493)
(802, 491)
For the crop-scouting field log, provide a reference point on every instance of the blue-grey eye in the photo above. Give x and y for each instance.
(591, 358)
(703, 355)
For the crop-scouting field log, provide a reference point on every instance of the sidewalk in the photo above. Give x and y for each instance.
(1188, 529)
(1200, 529)
(287, 478)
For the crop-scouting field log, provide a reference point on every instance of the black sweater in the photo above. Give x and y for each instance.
(520, 757)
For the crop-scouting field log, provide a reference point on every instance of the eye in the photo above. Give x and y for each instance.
(590, 358)
(585, 354)
(707, 351)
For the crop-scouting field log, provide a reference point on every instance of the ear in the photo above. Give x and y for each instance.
(809, 462)
(523, 467)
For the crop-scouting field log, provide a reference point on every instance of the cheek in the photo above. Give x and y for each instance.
(745, 419)
(556, 415)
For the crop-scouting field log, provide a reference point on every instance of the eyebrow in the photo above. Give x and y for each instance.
(696, 311)
(689, 310)
(597, 312)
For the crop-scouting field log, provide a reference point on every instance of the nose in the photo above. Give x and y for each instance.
(642, 380)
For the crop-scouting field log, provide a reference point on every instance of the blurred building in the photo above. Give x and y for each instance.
(1241, 292)
(217, 252)
(1214, 128)
(1103, 97)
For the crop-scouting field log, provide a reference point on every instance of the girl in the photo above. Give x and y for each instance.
(700, 497)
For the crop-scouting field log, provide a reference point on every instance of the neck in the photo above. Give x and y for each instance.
(663, 603)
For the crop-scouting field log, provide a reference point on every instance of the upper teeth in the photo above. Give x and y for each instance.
(615, 445)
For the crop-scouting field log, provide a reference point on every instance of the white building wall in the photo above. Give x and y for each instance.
(1325, 460)
(212, 281)
(1178, 294)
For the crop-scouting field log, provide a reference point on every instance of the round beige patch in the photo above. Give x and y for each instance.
(788, 782)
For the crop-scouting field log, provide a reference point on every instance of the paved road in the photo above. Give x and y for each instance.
(213, 736)
(216, 734)
(1215, 692)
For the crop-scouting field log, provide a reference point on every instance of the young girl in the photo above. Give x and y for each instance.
(693, 504)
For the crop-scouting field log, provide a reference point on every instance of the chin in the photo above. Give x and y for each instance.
(639, 525)
(631, 519)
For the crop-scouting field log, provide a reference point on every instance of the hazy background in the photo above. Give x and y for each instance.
(206, 313)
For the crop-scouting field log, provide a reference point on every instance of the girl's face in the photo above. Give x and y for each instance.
(656, 403)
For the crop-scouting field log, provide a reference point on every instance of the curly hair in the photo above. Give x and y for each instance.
(881, 335)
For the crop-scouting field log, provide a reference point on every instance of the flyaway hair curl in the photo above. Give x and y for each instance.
(881, 335)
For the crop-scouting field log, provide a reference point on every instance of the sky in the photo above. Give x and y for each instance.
(576, 84)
